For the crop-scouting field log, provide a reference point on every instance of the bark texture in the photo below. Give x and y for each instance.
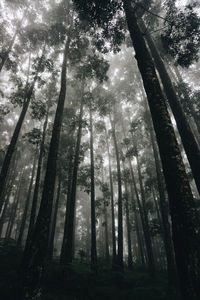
(185, 221)
(189, 142)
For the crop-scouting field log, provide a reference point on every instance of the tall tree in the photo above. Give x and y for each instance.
(189, 142)
(34, 260)
(26, 101)
(182, 206)
(92, 194)
(119, 183)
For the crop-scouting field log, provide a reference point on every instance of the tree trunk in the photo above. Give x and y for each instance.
(13, 142)
(112, 204)
(147, 234)
(139, 240)
(33, 262)
(193, 112)
(128, 228)
(120, 214)
(6, 195)
(69, 185)
(171, 265)
(55, 213)
(189, 142)
(143, 213)
(92, 197)
(14, 207)
(107, 254)
(68, 255)
(37, 184)
(185, 220)
(6, 54)
(27, 204)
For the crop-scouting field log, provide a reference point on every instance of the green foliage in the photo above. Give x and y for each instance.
(181, 37)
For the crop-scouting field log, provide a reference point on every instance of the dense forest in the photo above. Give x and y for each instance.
(100, 149)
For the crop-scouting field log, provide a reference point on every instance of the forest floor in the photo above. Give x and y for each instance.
(78, 282)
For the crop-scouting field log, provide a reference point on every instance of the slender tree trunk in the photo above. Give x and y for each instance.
(147, 234)
(143, 213)
(112, 204)
(189, 142)
(130, 258)
(154, 196)
(151, 265)
(92, 197)
(139, 240)
(185, 220)
(11, 219)
(69, 185)
(55, 213)
(107, 254)
(14, 207)
(14, 139)
(193, 112)
(120, 214)
(37, 181)
(6, 54)
(27, 204)
(34, 260)
(9, 188)
(4, 212)
(68, 255)
(171, 265)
